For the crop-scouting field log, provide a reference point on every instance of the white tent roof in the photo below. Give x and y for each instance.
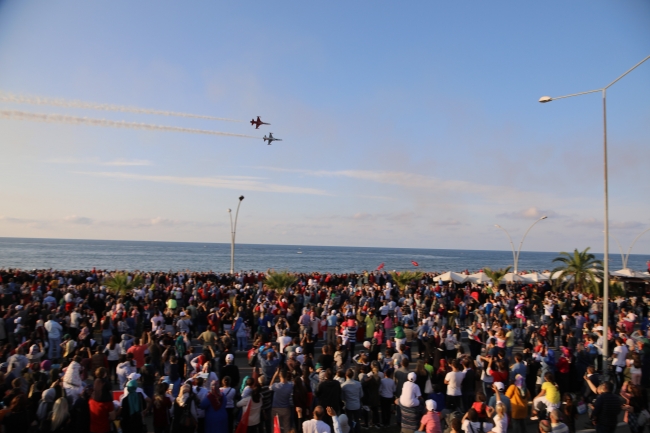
(479, 278)
(629, 273)
(511, 277)
(451, 276)
(534, 277)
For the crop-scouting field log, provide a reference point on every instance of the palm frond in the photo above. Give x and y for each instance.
(280, 280)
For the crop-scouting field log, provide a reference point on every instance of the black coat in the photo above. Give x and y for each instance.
(329, 394)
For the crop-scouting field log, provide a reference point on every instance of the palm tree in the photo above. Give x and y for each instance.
(496, 275)
(580, 269)
(279, 281)
(120, 284)
(404, 278)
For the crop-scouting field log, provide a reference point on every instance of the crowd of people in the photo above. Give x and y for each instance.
(329, 354)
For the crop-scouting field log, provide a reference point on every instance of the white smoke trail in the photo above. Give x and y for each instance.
(74, 120)
(36, 100)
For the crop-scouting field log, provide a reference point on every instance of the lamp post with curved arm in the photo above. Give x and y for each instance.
(515, 255)
(603, 91)
(233, 230)
(626, 257)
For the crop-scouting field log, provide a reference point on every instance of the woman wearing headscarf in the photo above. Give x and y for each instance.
(185, 415)
(72, 382)
(216, 417)
(409, 404)
(441, 373)
(132, 408)
(519, 397)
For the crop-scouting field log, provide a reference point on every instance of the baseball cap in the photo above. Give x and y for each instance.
(431, 405)
(499, 385)
(366, 344)
(298, 350)
(133, 376)
(182, 314)
(230, 357)
(411, 377)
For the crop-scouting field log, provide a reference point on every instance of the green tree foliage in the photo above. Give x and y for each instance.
(119, 283)
(404, 278)
(580, 269)
(496, 275)
(279, 281)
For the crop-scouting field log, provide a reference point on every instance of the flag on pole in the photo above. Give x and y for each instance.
(276, 424)
(415, 263)
(243, 423)
(380, 267)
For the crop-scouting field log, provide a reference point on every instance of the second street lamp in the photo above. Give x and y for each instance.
(515, 255)
(233, 231)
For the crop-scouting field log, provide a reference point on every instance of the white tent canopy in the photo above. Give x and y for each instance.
(479, 278)
(535, 277)
(629, 273)
(451, 276)
(511, 277)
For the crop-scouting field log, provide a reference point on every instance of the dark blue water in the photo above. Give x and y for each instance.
(68, 254)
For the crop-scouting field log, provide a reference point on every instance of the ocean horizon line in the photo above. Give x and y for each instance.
(278, 245)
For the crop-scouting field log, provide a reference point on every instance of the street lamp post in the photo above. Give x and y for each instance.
(603, 91)
(233, 230)
(515, 255)
(626, 257)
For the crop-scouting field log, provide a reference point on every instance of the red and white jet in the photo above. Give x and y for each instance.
(258, 122)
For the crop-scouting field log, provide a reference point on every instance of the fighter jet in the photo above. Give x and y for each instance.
(258, 122)
(271, 139)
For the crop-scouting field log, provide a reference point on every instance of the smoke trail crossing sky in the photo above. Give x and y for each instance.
(74, 120)
(36, 100)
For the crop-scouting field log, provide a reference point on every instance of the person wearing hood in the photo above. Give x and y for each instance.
(133, 406)
(216, 417)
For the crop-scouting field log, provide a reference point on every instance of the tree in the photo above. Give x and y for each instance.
(580, 269)
(404, 278)
(279, 281)
(119, 283)
(496, 275)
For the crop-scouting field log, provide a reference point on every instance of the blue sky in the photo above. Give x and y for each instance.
(405, 124)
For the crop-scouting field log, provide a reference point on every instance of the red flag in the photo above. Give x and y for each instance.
(414, 263)
(380, 267)
(276, 425)
(243, 423)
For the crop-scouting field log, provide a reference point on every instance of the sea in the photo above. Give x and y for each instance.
(69, 254)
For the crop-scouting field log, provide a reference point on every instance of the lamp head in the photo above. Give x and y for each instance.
(241, 197)
(544, 217)
(497, 226)
(545, 99)
(229, 211)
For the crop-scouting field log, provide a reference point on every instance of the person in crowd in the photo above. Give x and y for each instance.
(216, 417)
(430, 422)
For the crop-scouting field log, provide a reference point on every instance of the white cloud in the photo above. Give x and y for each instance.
(74, 219)
(430, 184)
(120, 162)
(239, 183)
(530, 213)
